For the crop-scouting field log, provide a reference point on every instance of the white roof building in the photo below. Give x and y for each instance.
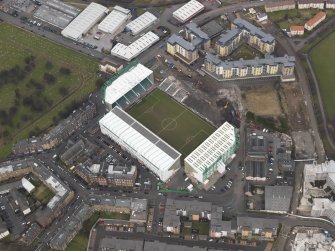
(155, 153)
(27, 185)
(128, 52)
(85, 21)
(141, 23)
(212, 154)
(6, 169)
(126, 82)
(114, 20)
(188, 10)
(57, 188)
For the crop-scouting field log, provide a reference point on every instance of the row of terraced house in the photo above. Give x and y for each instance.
(302, 4)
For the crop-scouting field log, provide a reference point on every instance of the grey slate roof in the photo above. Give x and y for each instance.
(196, 30)
(229, 36)
(268, 60)
(174, 39)
(278, 198)
(252, 29)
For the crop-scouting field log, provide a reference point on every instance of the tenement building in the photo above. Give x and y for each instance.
(108, 175)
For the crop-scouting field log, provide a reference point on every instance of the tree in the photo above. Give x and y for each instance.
(17, 93)
(13, 110)
(49, 78)
(99, 83)
(63, 91)
(64, 71)
(48, 65)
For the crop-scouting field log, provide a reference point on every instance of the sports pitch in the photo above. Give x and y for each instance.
(171, 121)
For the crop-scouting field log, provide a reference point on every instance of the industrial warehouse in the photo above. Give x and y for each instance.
(152, 151)
(188, 10)
(129, 52)
(85, 21)
(115, 21)
(56, 13)
(141, 23)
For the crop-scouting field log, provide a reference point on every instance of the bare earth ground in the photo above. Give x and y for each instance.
(296, 107)
(263, 101)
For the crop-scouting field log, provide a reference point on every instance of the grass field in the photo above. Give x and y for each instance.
(171, 121)
(246, 52)
(16, 46)
(287, 18)
(323, 59)
(43, 194)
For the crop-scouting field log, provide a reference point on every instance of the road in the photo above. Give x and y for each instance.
(302, 80)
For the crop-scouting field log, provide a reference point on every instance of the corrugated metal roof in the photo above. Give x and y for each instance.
(128, 52)
(212, 148)
(84, 21)
(126, 82)
(188, 10)
(114, 20)
(142, 22)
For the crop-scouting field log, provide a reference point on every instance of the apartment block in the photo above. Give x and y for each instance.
(187, 48)
(254, 36)
(228, 42)
(269, 66)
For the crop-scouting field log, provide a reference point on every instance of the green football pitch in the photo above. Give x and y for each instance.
(171, 121)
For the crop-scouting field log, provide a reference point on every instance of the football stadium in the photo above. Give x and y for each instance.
(161, 132)
(171, 121)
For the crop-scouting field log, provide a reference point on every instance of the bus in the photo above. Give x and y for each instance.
(72, 168)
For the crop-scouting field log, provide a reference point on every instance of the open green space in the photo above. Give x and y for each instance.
(246, 52)
(43, 194)
(203, 227)
(286, 18)
(171, 121)
(40, 82)
(80, 241)
(323, 59)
